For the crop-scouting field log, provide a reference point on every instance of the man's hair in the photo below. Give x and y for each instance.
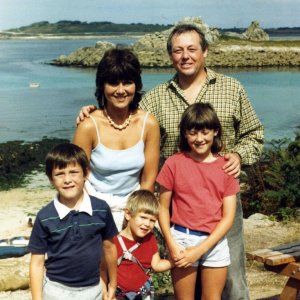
(63, 155)
(119, 64)
(183, 28)
(143, 201)
(200, 116)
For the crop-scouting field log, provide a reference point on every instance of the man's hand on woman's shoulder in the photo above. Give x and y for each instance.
(85, 113)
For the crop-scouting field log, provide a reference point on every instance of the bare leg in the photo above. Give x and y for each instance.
(212, 282)
(184, 280)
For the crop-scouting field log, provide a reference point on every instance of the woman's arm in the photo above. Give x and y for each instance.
(36, 274)
(192, 254)
(84, 136)
(152, 143)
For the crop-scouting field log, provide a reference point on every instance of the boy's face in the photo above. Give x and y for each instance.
(68, 182)
(141, 224)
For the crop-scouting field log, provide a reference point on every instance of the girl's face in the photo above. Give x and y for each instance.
(200, 142)
(119, 94)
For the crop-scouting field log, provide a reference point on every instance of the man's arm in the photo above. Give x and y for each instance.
(36, 274)
(249, 132)
(233, 164)
(110, 256)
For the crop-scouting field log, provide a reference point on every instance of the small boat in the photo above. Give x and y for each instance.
(14, 247)
(34, 85)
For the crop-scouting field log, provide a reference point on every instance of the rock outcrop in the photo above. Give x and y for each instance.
(255, 33)
(152, 53)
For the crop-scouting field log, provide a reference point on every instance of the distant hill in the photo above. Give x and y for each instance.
(65, 27)
(77, 28)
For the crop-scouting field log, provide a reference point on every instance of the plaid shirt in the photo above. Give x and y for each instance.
(242, 131)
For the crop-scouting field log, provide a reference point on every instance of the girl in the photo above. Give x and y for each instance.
(203, 201)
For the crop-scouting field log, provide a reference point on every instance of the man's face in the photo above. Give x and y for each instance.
(187, 55)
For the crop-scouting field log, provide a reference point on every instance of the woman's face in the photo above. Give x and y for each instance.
(119, 94)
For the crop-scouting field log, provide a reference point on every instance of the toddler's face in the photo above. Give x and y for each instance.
(141, 224)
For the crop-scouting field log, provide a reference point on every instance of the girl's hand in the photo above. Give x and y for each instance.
(176, 252)
(190, 255)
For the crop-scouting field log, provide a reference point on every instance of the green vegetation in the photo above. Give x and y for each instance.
(93, 28)
(273, 184)
(18, 159)
(270, 187)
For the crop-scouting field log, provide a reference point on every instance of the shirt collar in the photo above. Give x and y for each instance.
(63, 210)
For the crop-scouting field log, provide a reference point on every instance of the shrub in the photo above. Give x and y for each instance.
(273, 184)
(19, 158)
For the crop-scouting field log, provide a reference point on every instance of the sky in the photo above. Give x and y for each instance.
(217, 13)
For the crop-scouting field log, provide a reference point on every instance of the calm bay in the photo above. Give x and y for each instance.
(32, 113)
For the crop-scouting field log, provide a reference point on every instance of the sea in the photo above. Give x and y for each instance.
(30, 114)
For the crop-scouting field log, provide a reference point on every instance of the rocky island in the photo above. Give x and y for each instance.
(228, 49)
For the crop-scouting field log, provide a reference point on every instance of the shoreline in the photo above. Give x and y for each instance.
(68, 37)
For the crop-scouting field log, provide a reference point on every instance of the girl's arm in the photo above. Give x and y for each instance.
(192, 254)
(164, 223)
(36, 274)
(160, 265)
(151, 151)
(84, 136)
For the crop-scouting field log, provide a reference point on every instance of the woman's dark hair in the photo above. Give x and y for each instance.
(119, 64)
(183, 28)
(200, 116)
(64, 154)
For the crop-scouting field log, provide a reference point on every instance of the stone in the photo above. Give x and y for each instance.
(255, 33)
(14, 273)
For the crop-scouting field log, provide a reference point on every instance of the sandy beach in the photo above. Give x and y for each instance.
(17, 205)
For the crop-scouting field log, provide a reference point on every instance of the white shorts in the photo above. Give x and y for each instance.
(216, 257)
(116, 203)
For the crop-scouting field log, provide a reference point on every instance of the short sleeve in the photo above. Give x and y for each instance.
(38, 242)
(232, 186)
(165, 177)
(111, 228)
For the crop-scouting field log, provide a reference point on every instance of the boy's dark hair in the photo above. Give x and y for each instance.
(200, 116)
(119, 64)
(183, 28)
(64, 154)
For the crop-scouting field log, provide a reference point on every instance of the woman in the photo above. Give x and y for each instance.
(121, 141)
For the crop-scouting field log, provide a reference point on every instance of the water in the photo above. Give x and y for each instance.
(50, 110)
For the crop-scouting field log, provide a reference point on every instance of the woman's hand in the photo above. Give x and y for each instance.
(85, 113)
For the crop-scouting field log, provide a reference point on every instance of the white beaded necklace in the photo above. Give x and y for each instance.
(116, 126)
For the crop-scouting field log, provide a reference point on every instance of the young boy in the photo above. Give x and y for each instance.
(70, 234)
(137, 247)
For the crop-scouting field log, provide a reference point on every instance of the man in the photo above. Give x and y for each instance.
(242, 131)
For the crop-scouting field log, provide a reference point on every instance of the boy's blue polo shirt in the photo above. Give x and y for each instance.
(72, 240)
